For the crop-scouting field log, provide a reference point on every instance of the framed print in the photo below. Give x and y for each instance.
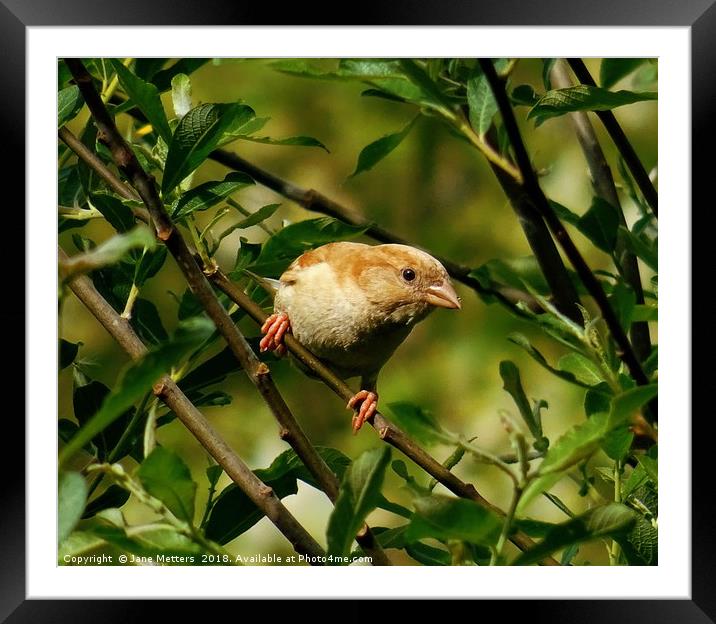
(445, 221)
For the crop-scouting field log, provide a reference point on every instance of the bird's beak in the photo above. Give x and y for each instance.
(443, 296)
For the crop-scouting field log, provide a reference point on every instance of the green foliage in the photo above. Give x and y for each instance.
(71, 496)
(129, 268)
(138, 379)
(358, 496)
(145, 96)
(583, 98)
(612, 70)
(481, 103)
(608, 521)
(234, 512)
(69, 103)
(197, 135)
(448, 518)
(166, 477)
(373, 153)
(209, 194)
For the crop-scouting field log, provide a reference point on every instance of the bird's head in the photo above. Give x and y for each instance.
(404, 283)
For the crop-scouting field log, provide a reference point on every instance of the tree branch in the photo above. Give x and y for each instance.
(532, 187)
(545, 251)
(261, 494)
(256, 370)
(604, 187)
(641, 177)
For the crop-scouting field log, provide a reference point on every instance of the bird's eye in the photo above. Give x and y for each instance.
(408, 275)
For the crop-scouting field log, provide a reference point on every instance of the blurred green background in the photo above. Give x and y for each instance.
(434, 190)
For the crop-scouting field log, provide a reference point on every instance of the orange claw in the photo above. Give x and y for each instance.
(368, 406)
(274, 328)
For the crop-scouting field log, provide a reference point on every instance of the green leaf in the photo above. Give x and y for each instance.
(109, 252)
(284, 246)
(514, 272)
(234, 513)
(482, 104)
(445, 518)
(524, 95)
(564, 213)
(257, 217)
(576, 445)
(646, 251)
(435, 98)
(645, 312)
(419, 424)
(583, 98)
(522, 341)
(196, 136)
(163, 79)
(598, 399)
(612, 70)
(165, 476)
(547, 66)
(118, 214)
(358, 496)
(617, 443)
(86, 402)
(625, 404)
(71, 498)
(214, 370)
(513, 385)
(582, 368)
(69, 103)
(149, 265)
(209, 194)
(600, 224)
(641, 545)
(623, 301)
(373, 153)
(146, 97)
(112, 498)
(303, 141)
(606, 521)
(181, 95)
(147, 67)
(651, 467)
(147, 322)
(67, 352)
(138, 379)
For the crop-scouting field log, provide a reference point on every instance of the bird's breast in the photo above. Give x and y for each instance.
(337, 322)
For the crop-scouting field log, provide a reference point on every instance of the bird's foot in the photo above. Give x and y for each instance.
(368, 405)
(274, 329)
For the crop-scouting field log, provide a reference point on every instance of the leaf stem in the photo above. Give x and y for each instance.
(131, 298)
(496, 558)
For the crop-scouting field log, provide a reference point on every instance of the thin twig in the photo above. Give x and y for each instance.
(531, 185)
(604, 187)
(641, 177)
(256, 370)
(261, 494)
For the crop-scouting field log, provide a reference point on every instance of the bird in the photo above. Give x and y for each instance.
(352, 305)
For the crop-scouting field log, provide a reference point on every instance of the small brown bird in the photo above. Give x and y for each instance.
(353, 304)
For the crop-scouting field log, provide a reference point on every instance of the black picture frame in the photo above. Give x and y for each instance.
(17, 15)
